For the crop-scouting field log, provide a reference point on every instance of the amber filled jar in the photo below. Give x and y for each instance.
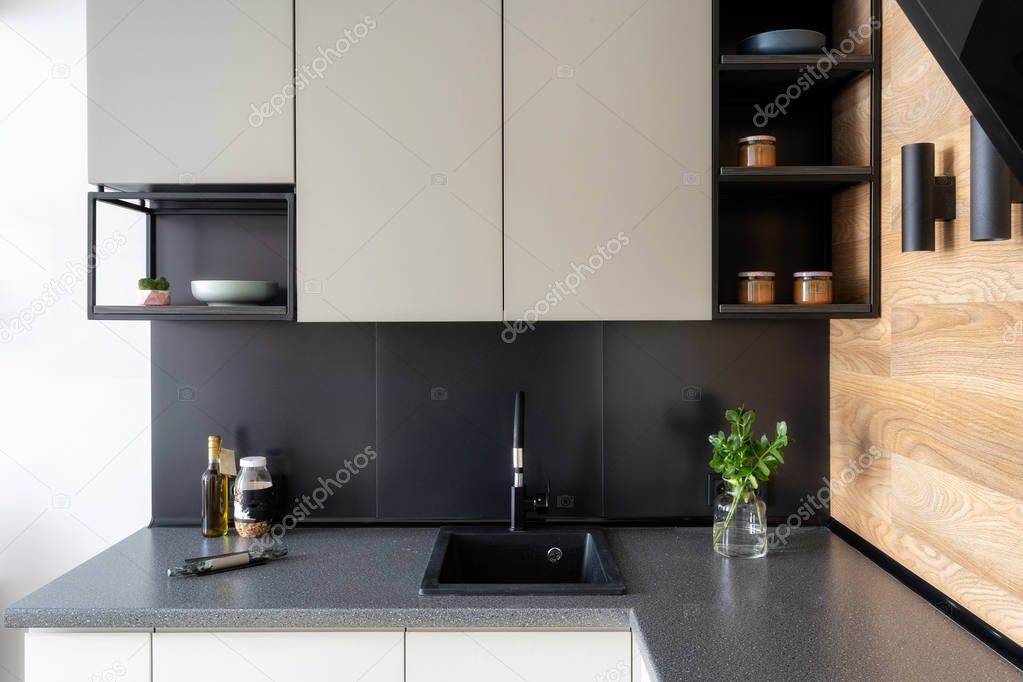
(756, 287)
(758, 151)
(812, 287)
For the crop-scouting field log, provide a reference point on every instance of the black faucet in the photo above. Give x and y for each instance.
(520, 502)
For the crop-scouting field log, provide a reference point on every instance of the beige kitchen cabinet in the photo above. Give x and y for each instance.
(513, 656)
(63, 656)
(399, 160)
(192, 91)
(280, 656)
(607, 160)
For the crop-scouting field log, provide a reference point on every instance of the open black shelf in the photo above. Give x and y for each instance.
(793, 62)
(762, 81)
(792, 310)
(819, 209)
(190, 312)
(779, 178)
(221, 225)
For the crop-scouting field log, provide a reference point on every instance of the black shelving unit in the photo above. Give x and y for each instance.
(235, 204)
(782, 218)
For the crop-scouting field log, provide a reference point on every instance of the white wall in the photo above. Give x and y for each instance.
(74, 404)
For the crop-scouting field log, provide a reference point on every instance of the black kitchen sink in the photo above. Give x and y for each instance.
(499, 561)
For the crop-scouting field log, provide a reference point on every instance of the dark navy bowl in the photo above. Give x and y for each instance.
(785, 41)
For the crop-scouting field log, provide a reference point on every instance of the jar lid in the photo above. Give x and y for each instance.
(770, 139)
(756, 273)
(252, 462)
(812, 273)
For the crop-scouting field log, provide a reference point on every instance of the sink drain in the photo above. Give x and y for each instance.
(554, 555)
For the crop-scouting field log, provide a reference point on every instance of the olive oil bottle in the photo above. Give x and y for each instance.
(214, 494)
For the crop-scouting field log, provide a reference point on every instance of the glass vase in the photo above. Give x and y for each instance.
(740, 525)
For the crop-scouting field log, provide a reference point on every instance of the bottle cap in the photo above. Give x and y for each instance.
(214, 447)
(252, 462)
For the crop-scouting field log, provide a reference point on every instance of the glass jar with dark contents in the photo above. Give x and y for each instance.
(253, 498)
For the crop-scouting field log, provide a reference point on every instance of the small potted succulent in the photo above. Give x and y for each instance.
(744, 462)
(154, 291)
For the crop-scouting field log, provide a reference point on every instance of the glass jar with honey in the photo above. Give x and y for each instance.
(758, 151)
(756, 287)
(812, 287)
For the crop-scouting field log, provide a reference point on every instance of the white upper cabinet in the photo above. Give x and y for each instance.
(607, 159)
(399, 160)
(190, 91)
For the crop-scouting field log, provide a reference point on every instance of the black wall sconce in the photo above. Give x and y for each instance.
(925, 197)
(993, 189)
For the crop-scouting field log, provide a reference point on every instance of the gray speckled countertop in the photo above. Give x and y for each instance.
(813, 610)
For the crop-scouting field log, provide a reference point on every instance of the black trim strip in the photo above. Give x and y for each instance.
(980, 629)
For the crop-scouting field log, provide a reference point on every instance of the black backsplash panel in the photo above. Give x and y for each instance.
(667, 386)
(304, 395)
(445, 417)
(617, 413)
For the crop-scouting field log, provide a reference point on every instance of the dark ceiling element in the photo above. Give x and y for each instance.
(976, 43)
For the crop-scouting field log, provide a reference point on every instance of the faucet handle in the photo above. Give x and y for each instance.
(541, 503)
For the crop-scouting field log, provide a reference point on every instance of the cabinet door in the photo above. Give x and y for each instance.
(640, 670)
(278, 656)
(191, 91)
(399, 160)
(64, 656)
(607, 159)
(516, 656)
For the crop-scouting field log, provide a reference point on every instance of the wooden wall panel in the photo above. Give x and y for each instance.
(934, 426)
(861, 346)
(936, 385)
(850, 15)
(976, 347)
(850, 124)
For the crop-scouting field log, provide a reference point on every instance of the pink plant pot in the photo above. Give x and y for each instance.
(154, 297)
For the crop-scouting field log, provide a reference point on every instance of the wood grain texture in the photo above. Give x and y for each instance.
(974, 526)
(936, 384)
(850, 214)
(850, 262)
(976, 348)
(850, 124)
(935, 426)
(850, 207)
(852, 17)
(862, 346)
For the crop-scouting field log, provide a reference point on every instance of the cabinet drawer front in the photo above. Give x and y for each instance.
(516, 656)
(70, 656)
(280, 656)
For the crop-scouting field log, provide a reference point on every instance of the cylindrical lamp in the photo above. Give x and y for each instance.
(990, 189)
(918, 197)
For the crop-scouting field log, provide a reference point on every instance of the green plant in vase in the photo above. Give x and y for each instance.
(744, 462)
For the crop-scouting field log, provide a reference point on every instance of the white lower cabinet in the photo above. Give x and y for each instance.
(87, 656)
(278, 656)
(366, 656)
(640, 670)
(514, 656)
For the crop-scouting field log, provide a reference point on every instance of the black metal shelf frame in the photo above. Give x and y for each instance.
(228, 202)
(745, 73)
